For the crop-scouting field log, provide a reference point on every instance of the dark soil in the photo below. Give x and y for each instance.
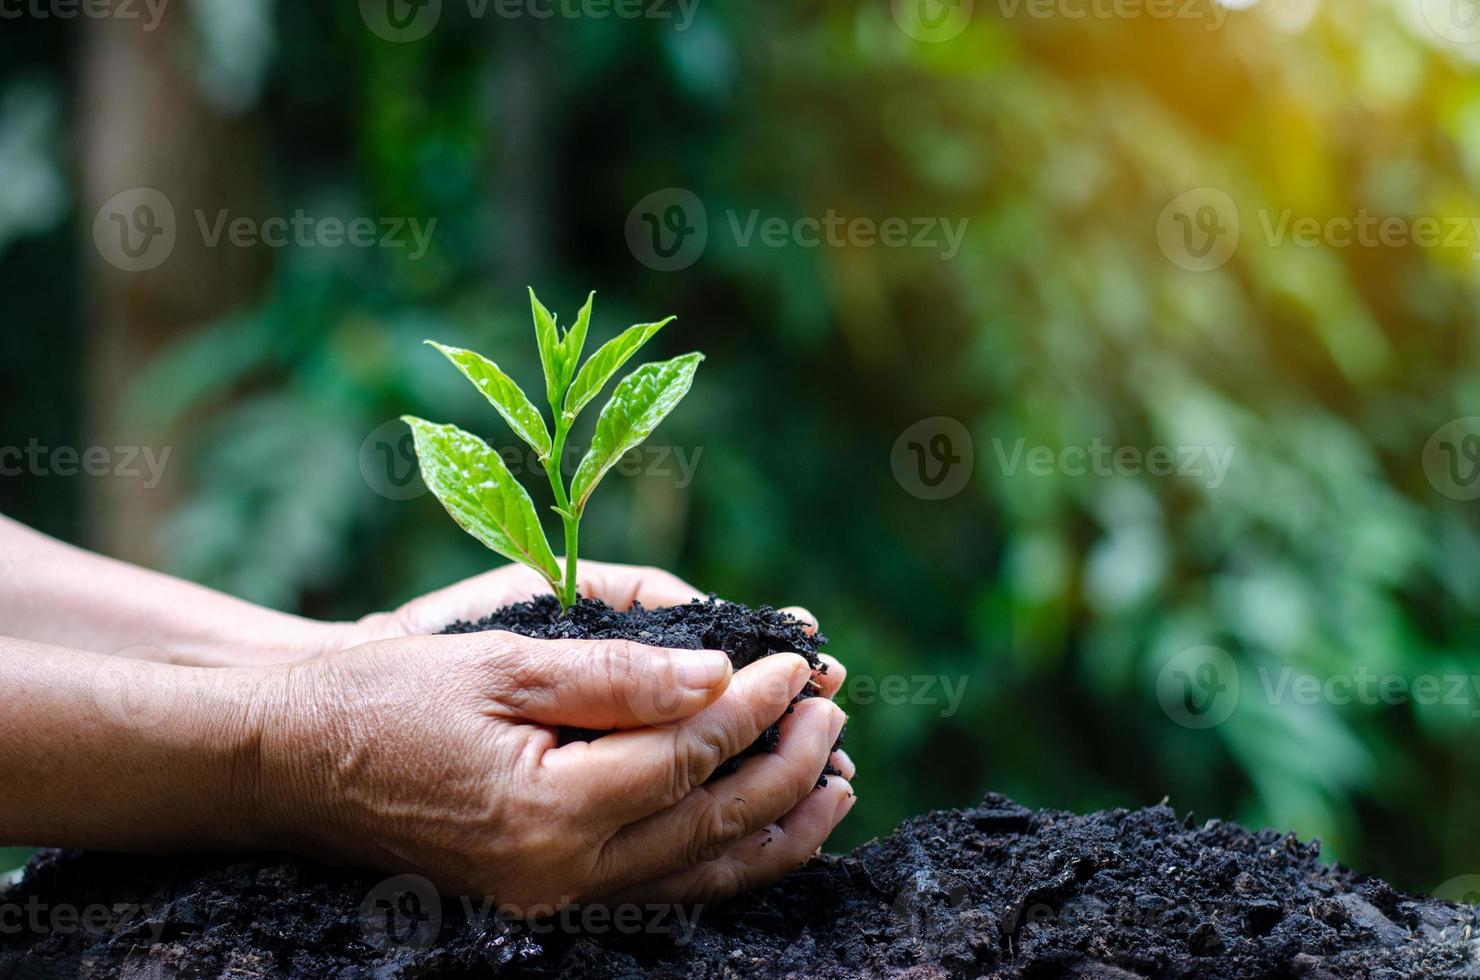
(995, 891)
(746, 634)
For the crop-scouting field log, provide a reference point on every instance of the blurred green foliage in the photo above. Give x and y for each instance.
(1061, 321)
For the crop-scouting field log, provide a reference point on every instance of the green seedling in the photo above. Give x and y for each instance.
(475, 485)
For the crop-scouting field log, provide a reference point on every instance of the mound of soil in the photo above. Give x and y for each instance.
(997, 891)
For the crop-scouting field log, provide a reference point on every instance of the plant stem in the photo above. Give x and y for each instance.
(566, 592)
(572, 536)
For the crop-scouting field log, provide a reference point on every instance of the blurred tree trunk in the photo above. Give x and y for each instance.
(143, 123)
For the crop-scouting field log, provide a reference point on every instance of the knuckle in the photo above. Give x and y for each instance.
(721, 822)
(696, 755)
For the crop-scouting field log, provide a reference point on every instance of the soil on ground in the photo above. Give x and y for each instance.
(993, 891)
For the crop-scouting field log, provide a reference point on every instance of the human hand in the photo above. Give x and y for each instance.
(440, 755)
(619, 586)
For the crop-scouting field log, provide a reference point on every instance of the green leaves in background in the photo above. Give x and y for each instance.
(607, 361)
(481, 494)
(640, 403)
(506, 396)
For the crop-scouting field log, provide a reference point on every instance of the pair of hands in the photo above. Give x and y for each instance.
(439, 755)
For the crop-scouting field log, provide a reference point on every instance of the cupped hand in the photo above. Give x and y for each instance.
(440, 755)
(619, 586)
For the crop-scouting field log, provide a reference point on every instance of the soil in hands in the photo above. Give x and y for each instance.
(744, 634)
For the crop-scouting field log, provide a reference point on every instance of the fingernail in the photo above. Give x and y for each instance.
(801, 673)
(849, 800)
(844, 762)
(835, 724)
(701, 669)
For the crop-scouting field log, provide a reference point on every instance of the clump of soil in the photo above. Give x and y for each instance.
(745, 634)
(996, 891)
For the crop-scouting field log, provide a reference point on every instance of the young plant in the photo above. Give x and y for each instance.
(471, 479)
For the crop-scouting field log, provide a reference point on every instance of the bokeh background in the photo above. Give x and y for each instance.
(1128, 176)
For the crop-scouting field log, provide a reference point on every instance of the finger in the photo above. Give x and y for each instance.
(843, 763)
(711, 819)
(632, 775)
(600, 684)
(762, 858)
(829, 681)
(621, 586)
(808, 621)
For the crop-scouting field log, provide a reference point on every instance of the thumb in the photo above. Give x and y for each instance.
(605, 684)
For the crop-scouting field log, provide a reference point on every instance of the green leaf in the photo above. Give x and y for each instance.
(481, 494)
(506, 396)
(607, 361)
(574, 342)
(547, 334)
(642, 400)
